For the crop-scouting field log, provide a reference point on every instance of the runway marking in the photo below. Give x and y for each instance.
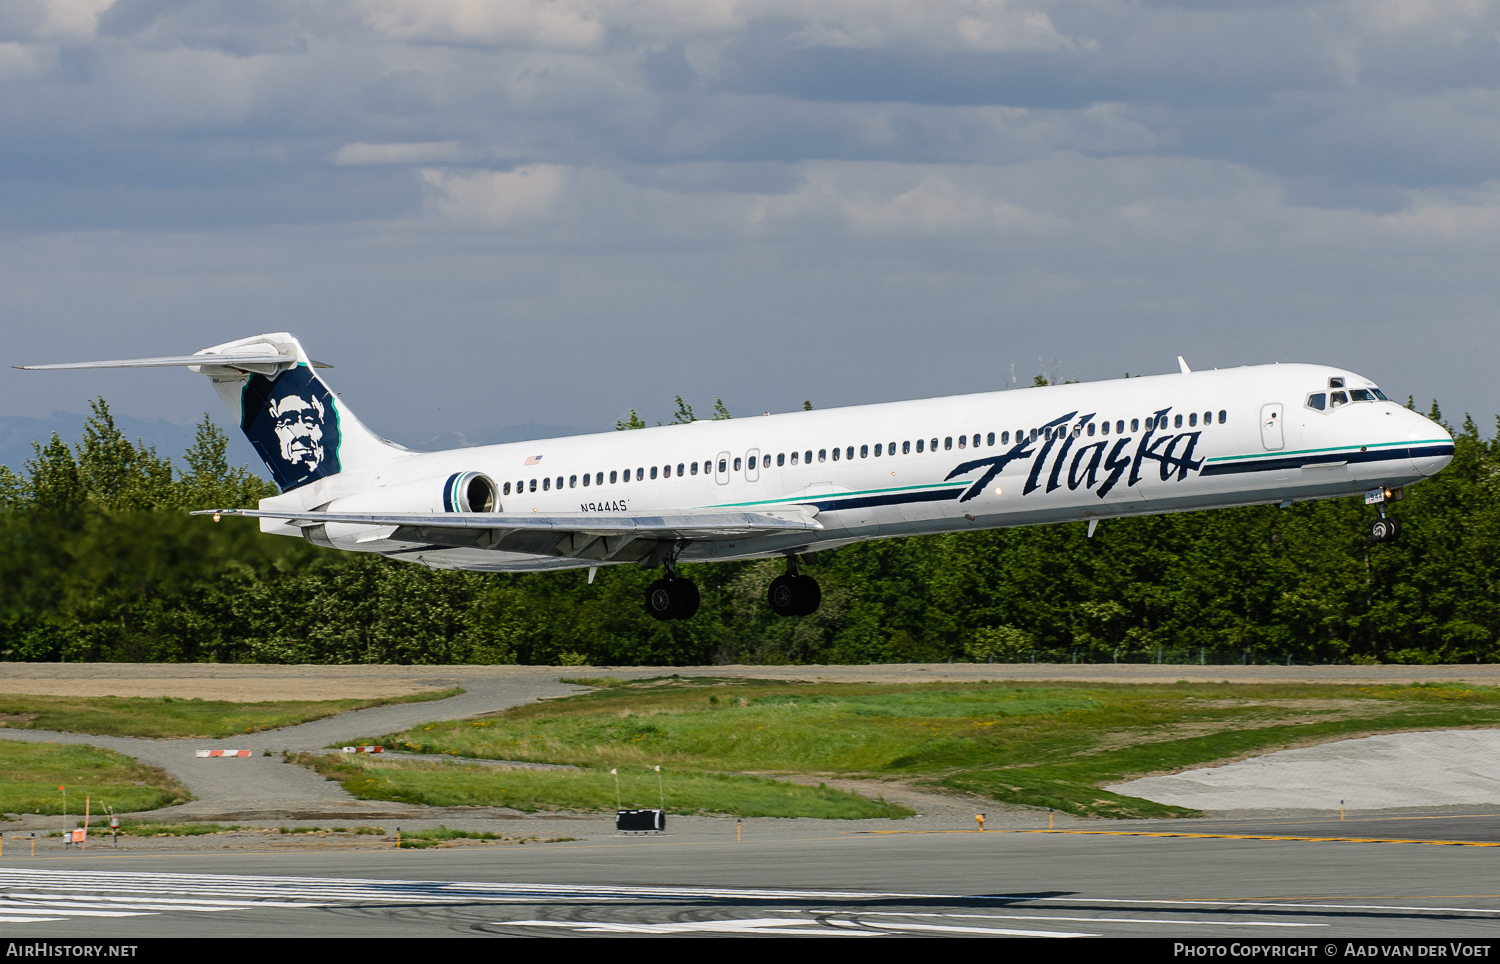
(1263, 902)
(1083, 920)
(1258, 836)
(850, 927)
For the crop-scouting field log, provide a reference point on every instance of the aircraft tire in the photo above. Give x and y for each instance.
(660, 599)
(784, 597)
(685, 599)
(809, 595)
(1384, 530)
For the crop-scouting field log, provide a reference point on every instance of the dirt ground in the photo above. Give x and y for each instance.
(256, 683)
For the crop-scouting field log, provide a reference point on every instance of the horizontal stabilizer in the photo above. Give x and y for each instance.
(173, 361)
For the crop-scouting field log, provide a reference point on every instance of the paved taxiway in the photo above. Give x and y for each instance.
(933, 884)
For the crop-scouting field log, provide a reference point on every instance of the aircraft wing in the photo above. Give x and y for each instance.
(614, 537)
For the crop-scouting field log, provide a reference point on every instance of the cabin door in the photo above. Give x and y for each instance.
(1270, 427)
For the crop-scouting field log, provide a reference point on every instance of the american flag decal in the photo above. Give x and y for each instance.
(534, 460)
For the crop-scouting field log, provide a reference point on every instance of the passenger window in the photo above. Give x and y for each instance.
(653, 471)
(1004, 438)
(878, 447)
(990, 439)
(507, 488)
(849, 452)
(679, 469)
(806, 457)
(546, 485)
(1104, 427)
(533, 485)
(1338, 398)
(794, 459)
(640, 474)
(1335, 383)
(587, 479)
(724, 465)
(612, 477)
(1208, 418)
(963, 441)
(559, 482)
(890, 447)
(1091, 430)
(905, 448)
(1223, 416)
(695, 468)
(835, 455)
(920, 446)
(572, 481)
(976, 440)
(736, 464)
(864, 451)
(1135, 425)
(752, 463)
(948, 443)
(822, 457)
(1192, 419)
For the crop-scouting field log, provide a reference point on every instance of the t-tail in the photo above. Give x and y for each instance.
(297, 425)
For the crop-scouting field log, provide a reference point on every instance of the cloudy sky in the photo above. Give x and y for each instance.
(489, 212)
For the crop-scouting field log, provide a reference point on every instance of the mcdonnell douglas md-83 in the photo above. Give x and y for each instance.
(791, 485)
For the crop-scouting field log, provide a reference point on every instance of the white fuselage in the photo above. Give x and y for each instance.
(1063, 453)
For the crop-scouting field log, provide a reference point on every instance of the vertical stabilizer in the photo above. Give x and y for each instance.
(297, 425)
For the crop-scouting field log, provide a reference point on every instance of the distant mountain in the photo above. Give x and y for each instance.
(17, 433)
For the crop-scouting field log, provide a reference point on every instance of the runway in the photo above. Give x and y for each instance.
(1221, 882)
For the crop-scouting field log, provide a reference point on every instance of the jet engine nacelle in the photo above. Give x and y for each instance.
(461, 492)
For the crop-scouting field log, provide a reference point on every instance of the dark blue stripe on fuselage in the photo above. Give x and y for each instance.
(1297, 461)
(893, 498)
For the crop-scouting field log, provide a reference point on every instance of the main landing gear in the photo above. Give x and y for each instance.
(794, 595)
(672, 597)
(1385, 528)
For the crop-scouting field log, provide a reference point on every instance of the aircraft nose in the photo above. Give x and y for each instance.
(1431, 445)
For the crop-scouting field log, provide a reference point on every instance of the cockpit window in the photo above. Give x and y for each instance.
(1338, 398)
(1360, 395)
(1317, 400)
(1335, 383)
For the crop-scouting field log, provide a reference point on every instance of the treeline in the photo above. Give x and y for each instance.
(99, 561)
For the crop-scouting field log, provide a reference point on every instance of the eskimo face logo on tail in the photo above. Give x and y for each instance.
(292, 422)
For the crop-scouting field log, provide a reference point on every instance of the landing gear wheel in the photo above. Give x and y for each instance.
(783, 596)
(672, 598)
(660, 599)
(686, 599)
(1385, 530)
(811, 595)
(794, 595)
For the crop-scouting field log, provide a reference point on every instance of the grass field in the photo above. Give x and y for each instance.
(30, 774)
(443, 784)
(1045, 744)
(167, 716)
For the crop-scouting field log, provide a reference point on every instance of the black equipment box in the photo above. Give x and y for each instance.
(641, 821)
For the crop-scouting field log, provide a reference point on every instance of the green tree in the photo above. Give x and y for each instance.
(633, 422)
(721, 411)
(684, 413)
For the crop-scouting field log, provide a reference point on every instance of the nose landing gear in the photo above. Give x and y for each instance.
(1385, 528)
(793, 594)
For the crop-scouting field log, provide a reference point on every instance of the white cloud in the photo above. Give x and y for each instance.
(495, 197)
(26, 61)
(427, 152)
(552, 24)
